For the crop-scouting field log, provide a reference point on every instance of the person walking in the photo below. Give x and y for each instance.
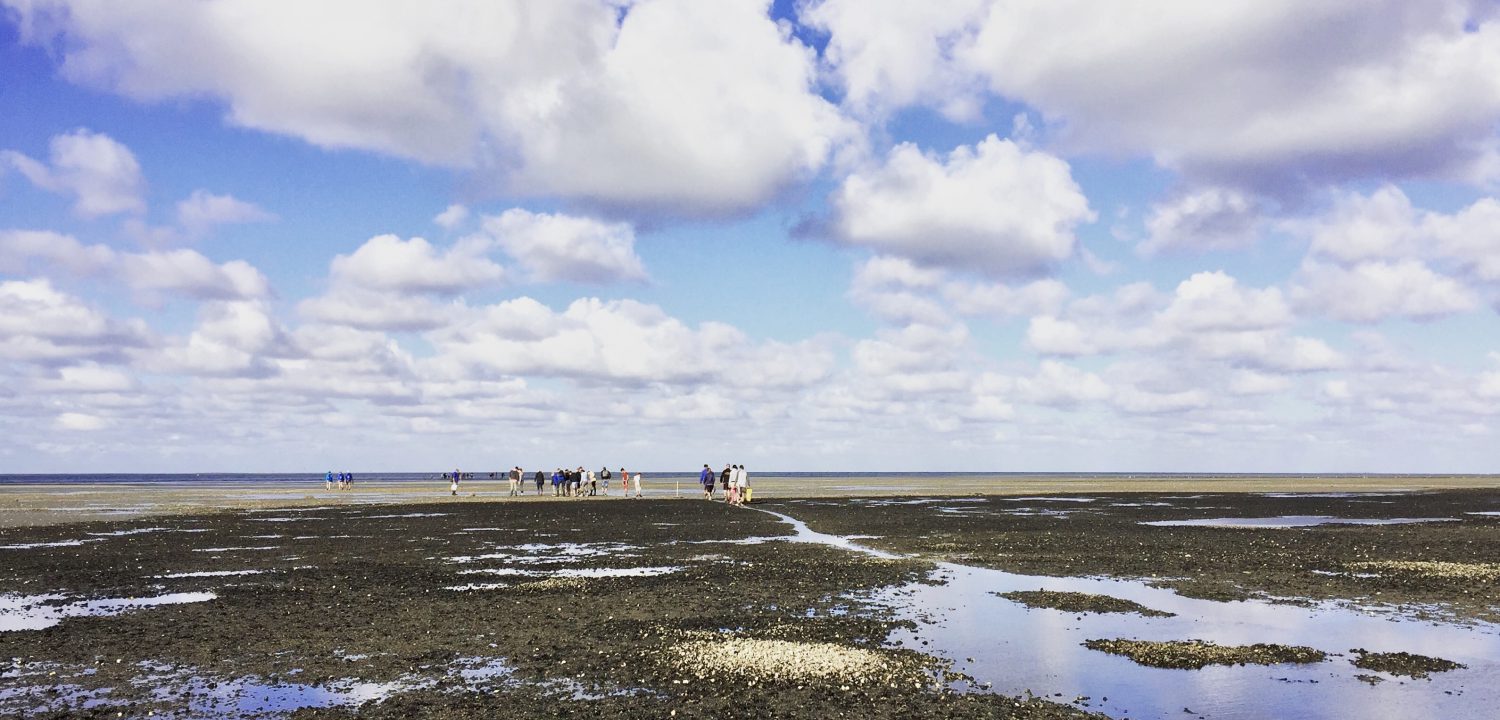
(514, 476)
(557, 479)
(604, 479)
(744, 485)
(593, 483)
(328, 480)
(706, 479)
(636, 481)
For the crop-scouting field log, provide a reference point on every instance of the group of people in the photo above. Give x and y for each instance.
(345, 480)
(734, 481)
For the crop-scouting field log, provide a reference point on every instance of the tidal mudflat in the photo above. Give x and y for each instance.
(683, 608)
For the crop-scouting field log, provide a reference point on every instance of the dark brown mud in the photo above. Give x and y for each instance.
(389, 595)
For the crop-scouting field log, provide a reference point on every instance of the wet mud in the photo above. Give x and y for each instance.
(464, 611)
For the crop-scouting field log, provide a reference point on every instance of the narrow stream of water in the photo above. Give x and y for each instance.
(1016, 649)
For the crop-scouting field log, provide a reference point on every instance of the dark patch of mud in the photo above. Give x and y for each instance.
(1402, 663)
(349, 597)
(1077, 602)
(1195, 654)
(1105, 537)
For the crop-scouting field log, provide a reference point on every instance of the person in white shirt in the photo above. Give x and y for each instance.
(636, 480)
(744, 483)
(593, 484)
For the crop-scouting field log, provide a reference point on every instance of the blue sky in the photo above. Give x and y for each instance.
(824, 235)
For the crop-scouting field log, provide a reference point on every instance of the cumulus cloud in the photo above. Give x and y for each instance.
(232, 339)
(1209, 317)
(550, 97)
(557, 247)
(202, 211)
(386, 263)
(891, 53)
(996, 207)
(41, 324)
(451, 217)
(1403, 91)
(182, 272)
(1205, 219)
(619, 340)
(100, 174)
(20, 250)
(1373, 291)
(190, 273)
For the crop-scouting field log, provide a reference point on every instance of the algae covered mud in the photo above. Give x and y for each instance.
(977, 606)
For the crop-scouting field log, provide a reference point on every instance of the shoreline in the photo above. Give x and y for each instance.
(31, 504)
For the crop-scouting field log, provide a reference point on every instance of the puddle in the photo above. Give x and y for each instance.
(1490, 513)
(38, 612)
(541, 553)
(1289, 521)
(232, 549)
(33, 546)
(407, 515)
(1050, 499)
(1335, 495)
(1011, 649)
(137, 531)
(210, 573)
(1017, 649)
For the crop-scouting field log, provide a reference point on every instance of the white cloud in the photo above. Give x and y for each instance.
(1382, 225)
(202, 211)
(184, 272)
(995, 208)
(41, 324)
(190, 273)
(895, 53)
(1205, 219)
(371, 310)
(100, 174)
(1210, 301)
(86, 378)
(79, 421)
(619, 340)
(386, 263)
(1374, 291)
(564, 248)
(551, 97)
(232, 339)
(1062, 385)
(451, 217)
(1038, 297)
(898, 291)
(1285, 91)
(19, 249)
(1470, 238)
(1251, 382)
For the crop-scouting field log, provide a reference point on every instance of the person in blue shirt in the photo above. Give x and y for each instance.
(706, 479)
(328, 480)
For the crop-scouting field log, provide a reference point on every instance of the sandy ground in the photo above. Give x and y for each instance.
(41, 504)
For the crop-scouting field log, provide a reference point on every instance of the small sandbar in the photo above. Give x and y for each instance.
(1196, 654)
